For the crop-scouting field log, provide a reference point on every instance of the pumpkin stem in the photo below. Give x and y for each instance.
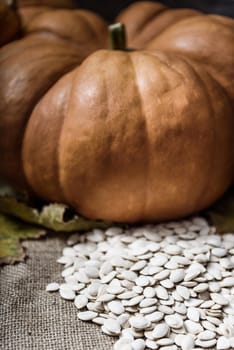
(117, 36)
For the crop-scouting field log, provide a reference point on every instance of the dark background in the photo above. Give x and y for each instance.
(110, 8)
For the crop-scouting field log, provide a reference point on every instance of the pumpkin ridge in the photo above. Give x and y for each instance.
(192, 60)
(25, 117)
(63, 38)
(175, 21)
(195, 60)
(97, 34)
(34, 104)
(63, 174)
(218, 19)
(57, 154)
(190, 65)
(212, 114)
(33, 45)
(169, 65)
(134, 5)
(152, 17)
(30, 156)
(57, 36)
(146, 167)
(213, 123)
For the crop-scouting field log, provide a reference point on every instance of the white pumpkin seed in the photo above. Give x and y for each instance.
(67, 294)
(149, 292)
(87, 315)
(112, 326)
(187, 342)
(168, 284)
(162, 275)
(172, 249)
(170, 347)
(106, 297)
(161, 292)
(208, 325)
(115, 287)
(177, 275)
(219, 299)
(116, 307)
(204, 344)
(136, 300)
(138, 344)
(219, 252)
(120, 272)
(151, 344)
(98, 320)
(193, 327)
(155, 316)
(223, 343)
(206, 335)
(139, 265)
(139, 322)
(159, 259)
(213, 320)
(165, 309)
(148, 302)
(160, 330)
(193, 314)
(201, 287)
(180, 308)
(142, 281)
(107, 278)
(147, 310)
(128, 275)
(52, 287)
(164, 341)
(81, 301)
(183, 292)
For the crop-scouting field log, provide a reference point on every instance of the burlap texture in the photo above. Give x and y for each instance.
(33, 319)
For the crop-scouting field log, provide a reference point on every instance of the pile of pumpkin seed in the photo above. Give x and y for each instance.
(167, 286)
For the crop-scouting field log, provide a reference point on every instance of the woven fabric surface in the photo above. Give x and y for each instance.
(33, 319)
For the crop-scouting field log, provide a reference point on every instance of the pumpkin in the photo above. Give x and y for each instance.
(50, 3)
(9, 21)
(29, 9)
(130, 135)
(30, 66)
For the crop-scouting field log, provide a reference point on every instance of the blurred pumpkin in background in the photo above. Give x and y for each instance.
(9, 21)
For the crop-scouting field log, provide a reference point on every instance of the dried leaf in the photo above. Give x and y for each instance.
(57, 217)
(12, 231)
(19, 220)
(222, 213)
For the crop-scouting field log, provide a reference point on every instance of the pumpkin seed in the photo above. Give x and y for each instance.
(179, 272)
(52, 287)
(87, 315)
(139, 322)
(111, 327)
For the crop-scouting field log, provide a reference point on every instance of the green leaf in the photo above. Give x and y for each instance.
(221, 213)
(57, 217)
(12, 231)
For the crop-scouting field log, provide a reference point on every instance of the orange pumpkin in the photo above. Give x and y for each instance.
(9, 21)
(29, 9)
(134, 135)
(31, 65)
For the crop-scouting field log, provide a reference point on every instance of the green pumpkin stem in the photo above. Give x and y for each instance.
(117, 37)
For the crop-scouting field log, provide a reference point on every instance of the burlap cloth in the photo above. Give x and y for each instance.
(33, 319)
